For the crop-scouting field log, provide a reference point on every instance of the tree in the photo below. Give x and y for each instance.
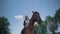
(4, 25)
(57, 15)
(53, 24)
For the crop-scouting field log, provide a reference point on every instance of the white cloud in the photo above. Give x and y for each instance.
(18, 16)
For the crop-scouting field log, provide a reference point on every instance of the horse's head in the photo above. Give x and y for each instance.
(36, 17)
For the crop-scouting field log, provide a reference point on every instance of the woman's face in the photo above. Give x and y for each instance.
(26, 17)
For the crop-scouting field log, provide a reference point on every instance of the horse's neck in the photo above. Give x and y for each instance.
(31, 25)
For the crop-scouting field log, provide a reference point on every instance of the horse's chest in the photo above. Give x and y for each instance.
(29, 31)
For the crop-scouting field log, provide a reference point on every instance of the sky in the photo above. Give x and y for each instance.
(15, 11)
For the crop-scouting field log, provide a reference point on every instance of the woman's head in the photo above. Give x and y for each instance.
(26, 17)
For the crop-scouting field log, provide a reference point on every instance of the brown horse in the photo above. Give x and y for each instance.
(30, 28)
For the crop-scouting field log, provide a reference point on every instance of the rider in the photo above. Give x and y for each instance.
(26, 24)
(26, 21)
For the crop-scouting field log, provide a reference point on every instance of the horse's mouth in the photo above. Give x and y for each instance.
(35, 20)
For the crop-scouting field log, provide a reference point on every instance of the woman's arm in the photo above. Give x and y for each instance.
(24, 23)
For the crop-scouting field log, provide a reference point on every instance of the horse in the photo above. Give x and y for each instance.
(30, 29)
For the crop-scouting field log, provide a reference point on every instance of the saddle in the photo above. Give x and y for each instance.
(23, 30)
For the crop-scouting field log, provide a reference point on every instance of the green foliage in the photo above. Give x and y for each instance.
(36, 28)
(57, 15)
(4, 24)
(41, 29)
(53, 23)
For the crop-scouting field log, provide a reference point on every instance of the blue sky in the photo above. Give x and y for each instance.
(12, 8)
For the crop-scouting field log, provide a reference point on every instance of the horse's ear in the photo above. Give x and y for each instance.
(32, 11)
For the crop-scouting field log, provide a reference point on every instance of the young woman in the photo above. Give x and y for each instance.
(26, 21)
